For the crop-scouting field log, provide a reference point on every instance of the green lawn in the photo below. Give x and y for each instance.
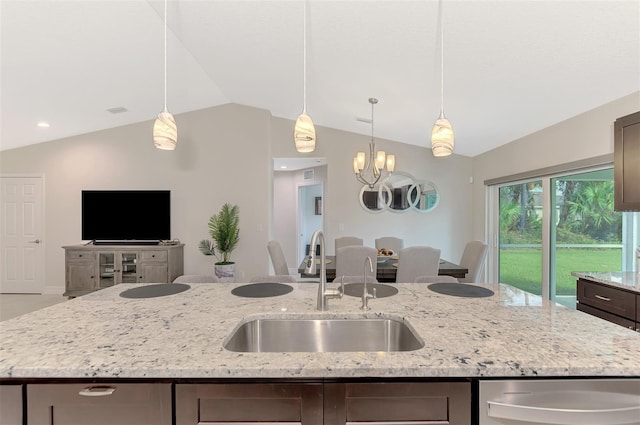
(522, 267)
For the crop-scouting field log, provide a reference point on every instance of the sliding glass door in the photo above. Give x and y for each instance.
(586, 233)
(520, 237)
(554, 225)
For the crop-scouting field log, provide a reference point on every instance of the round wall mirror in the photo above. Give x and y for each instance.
(369, 199)
(425, 196)
(398, 193)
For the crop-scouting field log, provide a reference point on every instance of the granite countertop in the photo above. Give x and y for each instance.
(512, 333)
(624, 280)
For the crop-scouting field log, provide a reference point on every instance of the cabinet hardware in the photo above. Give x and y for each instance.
(97, 391)
(600, 297)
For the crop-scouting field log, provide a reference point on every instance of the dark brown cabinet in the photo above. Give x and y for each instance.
(398, 403)
(627, 163)
(613, 304)
(104, 404)
(248, 403)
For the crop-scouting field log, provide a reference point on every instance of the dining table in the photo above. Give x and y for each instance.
(386, 269)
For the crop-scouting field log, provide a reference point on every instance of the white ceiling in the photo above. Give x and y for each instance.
(511, 67)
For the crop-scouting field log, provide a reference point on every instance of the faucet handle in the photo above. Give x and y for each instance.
(341, 290)
(374, 293)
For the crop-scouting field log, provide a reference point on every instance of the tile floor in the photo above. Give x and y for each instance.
(14, 305)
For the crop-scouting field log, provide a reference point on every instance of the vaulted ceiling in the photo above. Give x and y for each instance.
(511, 67)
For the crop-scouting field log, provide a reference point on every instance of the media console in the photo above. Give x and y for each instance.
(92, 267)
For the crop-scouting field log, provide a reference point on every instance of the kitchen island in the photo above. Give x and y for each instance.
(512, 333)
(176, 341)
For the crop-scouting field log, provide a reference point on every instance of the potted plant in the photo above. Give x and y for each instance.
(225, 232)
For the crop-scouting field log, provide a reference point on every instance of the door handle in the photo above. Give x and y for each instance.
(97, 391)
(36, 241)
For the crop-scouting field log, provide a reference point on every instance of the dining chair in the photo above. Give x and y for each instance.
(390, 242)
(280, 266)
(435, 279)
(473, 258)
(277, 278)
(196, 278)
(350, 261)
(347, 241)
(417, 261)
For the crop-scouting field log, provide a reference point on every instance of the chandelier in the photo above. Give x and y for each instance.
(369, 171)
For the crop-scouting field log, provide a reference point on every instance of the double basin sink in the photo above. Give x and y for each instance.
(323, 335)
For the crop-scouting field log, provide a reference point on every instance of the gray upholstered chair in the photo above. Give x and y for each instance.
(435, 279)
(390, 242)
(278, 278)
(347, 241)
(280, 266)
(196, 278)
(417, 261)
(350, 261)
(473, 258)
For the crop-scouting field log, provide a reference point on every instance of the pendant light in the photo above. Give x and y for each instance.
(165, 131)
(304, 133)
(369, 172)
(442, 137)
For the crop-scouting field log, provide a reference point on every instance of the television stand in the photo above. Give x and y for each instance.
(127, 242)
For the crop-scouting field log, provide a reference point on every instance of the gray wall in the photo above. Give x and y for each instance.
(225, 155)
(585, 136)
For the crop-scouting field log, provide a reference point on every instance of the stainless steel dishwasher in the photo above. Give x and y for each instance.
(560, 401)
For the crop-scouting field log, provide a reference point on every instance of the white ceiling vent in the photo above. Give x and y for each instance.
(307, 175)
(117, 110)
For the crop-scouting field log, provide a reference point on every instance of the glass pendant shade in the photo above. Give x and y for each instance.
(442, 137)
(391, 163)
(304, 134)
(359, 160)
(381, 158)
(165, 132)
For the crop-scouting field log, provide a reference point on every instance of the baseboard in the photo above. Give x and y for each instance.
(52, 290)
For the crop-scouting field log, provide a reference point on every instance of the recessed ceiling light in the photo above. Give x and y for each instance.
(43, 124)
(117, 110)
(282, 167)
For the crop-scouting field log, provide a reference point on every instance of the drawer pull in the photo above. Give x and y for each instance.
(249, 423)
(600, 297)
(97, 391)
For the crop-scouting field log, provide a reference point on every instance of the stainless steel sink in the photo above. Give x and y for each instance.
(323, 335)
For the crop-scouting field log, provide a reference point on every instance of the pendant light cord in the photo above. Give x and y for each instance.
(441, 61)
(165, 55)
(304, 60)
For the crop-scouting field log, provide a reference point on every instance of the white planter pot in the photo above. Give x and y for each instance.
(225, 272)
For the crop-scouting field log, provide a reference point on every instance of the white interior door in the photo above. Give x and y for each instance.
(22, 257)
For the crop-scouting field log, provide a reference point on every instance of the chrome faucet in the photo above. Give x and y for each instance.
(324, 293)
(366, 294)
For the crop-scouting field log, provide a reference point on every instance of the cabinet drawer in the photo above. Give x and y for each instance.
(99, 404)
(399, 402)
(10, 404)
(81, 256)
(248, 403)
(153, 256)
(611, 300)
(630, 324)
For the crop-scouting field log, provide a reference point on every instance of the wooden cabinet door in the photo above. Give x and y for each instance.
(249, 403)
(103, 404)
(626, 154)
(398, 403)
(11, 404)
(153, 273)
(81, 276)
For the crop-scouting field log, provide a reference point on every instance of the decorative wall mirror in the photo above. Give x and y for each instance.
(398, 193)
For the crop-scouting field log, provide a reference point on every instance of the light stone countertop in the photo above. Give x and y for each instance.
(513, 333)
(624, 280)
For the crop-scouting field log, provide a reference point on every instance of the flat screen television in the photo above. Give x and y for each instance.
(134, 216)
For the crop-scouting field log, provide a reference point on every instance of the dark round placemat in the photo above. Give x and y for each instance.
(262, 290)
(153, 291)
(460, 290)
(382, 291)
